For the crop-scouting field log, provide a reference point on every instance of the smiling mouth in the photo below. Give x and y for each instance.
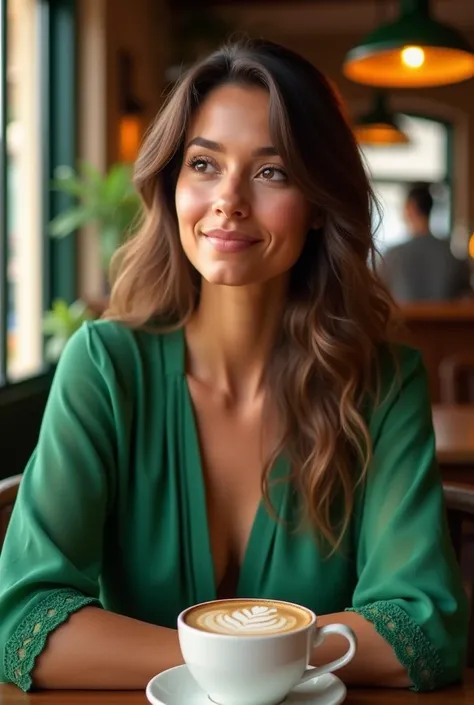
(230, 241)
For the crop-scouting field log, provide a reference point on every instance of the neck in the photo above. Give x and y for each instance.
(231, 336)
(421, 228)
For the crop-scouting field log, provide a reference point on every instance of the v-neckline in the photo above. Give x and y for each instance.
(263, 526)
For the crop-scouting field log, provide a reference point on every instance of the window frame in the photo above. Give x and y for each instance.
(59, 79)
(57, 22)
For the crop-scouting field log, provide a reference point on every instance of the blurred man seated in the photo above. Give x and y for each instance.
(424, 268)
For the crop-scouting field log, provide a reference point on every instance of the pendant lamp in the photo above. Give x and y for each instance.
(131, 109)
(415, 51)
(379, 127)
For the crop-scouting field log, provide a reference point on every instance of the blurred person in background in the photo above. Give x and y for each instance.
(424, 268)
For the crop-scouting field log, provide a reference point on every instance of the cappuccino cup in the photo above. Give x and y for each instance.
(254, 652)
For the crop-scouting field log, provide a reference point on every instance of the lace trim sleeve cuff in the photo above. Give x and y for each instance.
(412, 648)
(29, 640)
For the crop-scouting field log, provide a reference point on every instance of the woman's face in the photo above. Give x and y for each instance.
(241, 220)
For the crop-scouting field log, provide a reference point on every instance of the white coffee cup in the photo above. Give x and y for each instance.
(241, 668)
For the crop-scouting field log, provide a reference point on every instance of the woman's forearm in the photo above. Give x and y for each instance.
(96, 649)
(374, 663)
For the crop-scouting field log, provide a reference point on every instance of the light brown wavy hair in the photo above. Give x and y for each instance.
(337, 315)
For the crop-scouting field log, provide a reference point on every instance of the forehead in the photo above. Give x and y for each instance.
(233, 114)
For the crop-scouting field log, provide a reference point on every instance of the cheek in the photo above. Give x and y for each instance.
(190, 203)
(287, 218)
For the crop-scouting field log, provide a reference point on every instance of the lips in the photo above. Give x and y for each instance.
(230, 240)
(234, 235)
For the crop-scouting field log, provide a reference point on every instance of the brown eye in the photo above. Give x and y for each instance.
(271, 173)
(199, 165)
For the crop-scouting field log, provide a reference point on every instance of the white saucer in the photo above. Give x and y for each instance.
(177, 687)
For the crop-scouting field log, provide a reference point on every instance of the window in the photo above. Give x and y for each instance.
(23, 192)
(393, 169)
(37, 133)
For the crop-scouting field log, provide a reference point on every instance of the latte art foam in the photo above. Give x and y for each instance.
(254, 619)
(247, 618)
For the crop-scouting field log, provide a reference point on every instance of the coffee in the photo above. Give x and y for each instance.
(248, 617)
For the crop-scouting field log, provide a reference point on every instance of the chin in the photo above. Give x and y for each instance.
(224, 275)
(227, 280)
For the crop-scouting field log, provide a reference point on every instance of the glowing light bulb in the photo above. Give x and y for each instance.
(471, 246)
(413, 57)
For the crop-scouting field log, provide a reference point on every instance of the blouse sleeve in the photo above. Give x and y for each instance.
(409, 585)
(51, 558)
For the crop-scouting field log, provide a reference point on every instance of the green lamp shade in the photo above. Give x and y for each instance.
(379, 126)
(414, 51)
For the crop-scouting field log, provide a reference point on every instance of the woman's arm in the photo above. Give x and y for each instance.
(374, 663)
(409, 592)
(98, 650)
(52, 555)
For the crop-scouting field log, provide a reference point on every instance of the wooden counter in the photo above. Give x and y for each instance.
(438, 330)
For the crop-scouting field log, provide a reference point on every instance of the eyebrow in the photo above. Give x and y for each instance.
(218, 147)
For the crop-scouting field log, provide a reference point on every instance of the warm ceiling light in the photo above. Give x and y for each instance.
(415, 51)
(379, 135)
(471, 246)
(414, 57)
(379, 127)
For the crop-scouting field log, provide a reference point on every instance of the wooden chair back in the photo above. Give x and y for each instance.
(459, 499)
(8, 492)
(456, 379)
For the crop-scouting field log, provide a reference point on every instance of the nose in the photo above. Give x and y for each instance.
(231, 200)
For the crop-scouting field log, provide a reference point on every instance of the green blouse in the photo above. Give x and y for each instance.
(111, 511)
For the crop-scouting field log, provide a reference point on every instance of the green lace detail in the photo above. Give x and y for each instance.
(29, 640)
(412, 648)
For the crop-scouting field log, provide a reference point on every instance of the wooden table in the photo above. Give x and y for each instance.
(454, 428)
(438, 330)
(460, 695)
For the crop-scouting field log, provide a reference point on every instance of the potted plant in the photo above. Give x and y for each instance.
(108, 201)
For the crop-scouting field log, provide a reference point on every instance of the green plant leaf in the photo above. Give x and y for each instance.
(92, 177)
(61, 309)
(107, 200)
(78, 310)
(118, 184)
(54, 347)
(68, 181)
(70, 220)
(50, 323)
(60, 323)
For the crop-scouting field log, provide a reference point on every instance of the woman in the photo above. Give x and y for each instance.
(245, 353)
